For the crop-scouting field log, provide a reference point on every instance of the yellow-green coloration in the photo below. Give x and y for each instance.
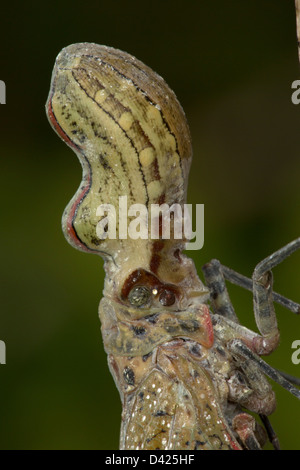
(132, 139)
(180, 384)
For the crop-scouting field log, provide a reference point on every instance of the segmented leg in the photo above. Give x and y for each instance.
(270, 432)
(262, 399)
(239, 348)
(220, 301)
(257, 395)
(263, 301)
(246, 283)
(261, 284)
(246, 428)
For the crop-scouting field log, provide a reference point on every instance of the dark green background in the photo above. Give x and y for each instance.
(231, 64)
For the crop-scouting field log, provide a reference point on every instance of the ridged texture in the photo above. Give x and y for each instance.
(131, 137)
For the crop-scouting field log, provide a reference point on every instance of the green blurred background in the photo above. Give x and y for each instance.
(231, 64)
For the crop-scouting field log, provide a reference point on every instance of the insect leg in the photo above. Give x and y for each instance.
(262, 399)
(291, 378)
(263, 301)
(239, 348)
(243, 281)
(270, 431)
(245, 426)
(220, 301)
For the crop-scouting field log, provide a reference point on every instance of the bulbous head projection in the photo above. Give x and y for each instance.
(132, 139)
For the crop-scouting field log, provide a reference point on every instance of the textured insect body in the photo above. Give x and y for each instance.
(181, 371)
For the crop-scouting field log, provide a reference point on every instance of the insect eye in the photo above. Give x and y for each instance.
(139, 296)
(167, 298)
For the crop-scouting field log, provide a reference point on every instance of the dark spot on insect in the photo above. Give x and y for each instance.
(195, 350)
(152, 318)
(195, 374)
(104, 162)
(186, 397)
(161, 413)
(95, 241)
(240, 377)
(96, 133)
(74, 123)
(220, 351)
(138, 330)
(189, 326)
(187, 443)
(167, 298)
(198, 444)
(214, 295)
(82, 138)
(208, 407)
(177, 255)
(172, 329)
(146, 356)
(74, 132)
(128, 375)
(141, 395)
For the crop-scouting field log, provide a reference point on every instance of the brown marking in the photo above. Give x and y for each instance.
(168, 292)
(116, 106)
(156, 248)
(88, 81)
(156, 173)
(152, 85)
(162, 199)
(176, 254)
(144, 140)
